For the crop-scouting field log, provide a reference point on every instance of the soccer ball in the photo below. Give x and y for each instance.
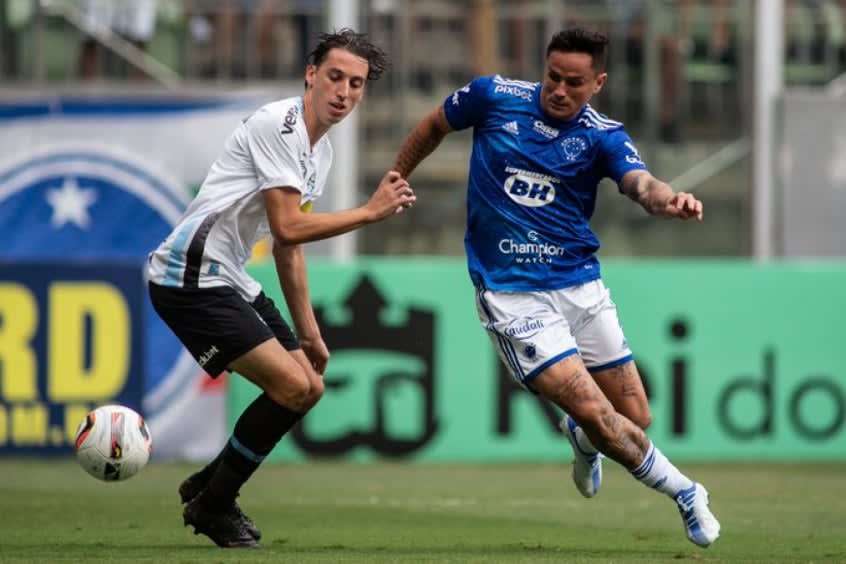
(113, 443)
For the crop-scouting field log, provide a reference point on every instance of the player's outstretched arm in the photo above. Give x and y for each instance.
(422, 141)
(289, 225)
(658, 198)
(291, 270)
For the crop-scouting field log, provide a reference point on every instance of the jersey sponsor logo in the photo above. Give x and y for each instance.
(533, 252)
(512, 128)
(290, 120)
(573, 147)
(303, 164)
(456, 95)
(524, 327)
(513, 91)
(634, 156)
(530, 188)
(498, 79)
(308, 173)
(545, 130)
(206, 357)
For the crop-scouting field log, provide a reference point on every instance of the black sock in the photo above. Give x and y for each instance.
(257, 431)
(206, 473)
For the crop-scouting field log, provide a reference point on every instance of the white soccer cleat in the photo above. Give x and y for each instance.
(700, 524)
(587, 467)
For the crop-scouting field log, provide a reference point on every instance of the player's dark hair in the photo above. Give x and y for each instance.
(355, 43)
(578, 40)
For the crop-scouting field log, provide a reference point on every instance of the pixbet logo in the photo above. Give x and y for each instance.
(513, 91)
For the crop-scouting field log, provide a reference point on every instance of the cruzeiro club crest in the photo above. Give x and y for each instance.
(573, 147)
(380, 381)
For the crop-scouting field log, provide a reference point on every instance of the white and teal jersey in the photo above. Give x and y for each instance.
(215, 237)
(532, 185)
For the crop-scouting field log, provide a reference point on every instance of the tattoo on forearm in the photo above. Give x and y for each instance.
(635, 188)
(416, 148)
(650, 202)
(645, 189)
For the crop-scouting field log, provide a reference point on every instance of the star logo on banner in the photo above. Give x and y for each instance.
(70, 204)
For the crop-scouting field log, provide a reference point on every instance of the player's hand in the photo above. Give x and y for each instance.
(317, 353)
(683, 205)
(392, 196)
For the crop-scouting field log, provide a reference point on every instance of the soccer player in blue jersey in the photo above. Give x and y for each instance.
(539, 152)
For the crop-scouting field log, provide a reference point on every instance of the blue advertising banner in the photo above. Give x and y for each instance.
(71, 338)
(100, 181)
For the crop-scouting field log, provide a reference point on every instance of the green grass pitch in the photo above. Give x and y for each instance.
(51, 511)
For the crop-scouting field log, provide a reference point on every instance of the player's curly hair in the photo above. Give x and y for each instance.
(355, 43)
(578, 40)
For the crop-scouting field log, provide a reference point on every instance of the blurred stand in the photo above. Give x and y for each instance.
(681, 77)
(132, 20)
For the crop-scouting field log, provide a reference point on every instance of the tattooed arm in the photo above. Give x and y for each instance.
(658, 198)
(423, 139)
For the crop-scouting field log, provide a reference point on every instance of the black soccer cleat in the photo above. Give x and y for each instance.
(194, 484)
(223, 527)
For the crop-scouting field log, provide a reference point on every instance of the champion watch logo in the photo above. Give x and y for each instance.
(511, 127)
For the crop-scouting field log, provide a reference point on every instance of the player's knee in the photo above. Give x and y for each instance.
(643, 418)
(595, 421)
(291, 390)
(315, 392)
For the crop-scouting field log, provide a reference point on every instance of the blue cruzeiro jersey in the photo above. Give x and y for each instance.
(532, 185)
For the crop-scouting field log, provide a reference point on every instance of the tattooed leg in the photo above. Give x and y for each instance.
(623, 387)
(569, 385)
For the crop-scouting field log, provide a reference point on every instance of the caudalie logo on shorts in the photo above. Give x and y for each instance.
(524, 327)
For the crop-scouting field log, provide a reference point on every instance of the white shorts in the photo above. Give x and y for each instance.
(533, 330)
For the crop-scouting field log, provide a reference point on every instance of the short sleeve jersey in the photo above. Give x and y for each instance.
(214, 239)
(532, 185)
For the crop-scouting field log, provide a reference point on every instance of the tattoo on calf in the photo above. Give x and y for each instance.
(628, 378)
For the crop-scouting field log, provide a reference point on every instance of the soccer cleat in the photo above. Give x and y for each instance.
(223, 527)
(587, 467)
(194, 484)
(700, 524)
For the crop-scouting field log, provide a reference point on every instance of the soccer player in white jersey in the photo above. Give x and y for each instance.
(273, 166)
(539, 152)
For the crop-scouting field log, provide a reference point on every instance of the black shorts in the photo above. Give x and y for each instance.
(217, 325)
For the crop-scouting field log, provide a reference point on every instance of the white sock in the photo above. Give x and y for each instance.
(659, 473)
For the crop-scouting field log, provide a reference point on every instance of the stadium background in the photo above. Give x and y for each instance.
(107, 129)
